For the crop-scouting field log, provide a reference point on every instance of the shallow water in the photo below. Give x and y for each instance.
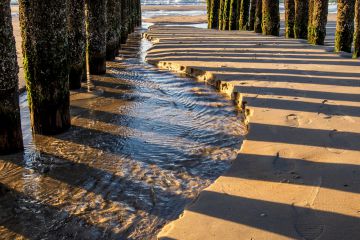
(143, 143)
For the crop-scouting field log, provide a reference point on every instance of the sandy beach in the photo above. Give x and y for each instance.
(157, 18)
(297, 174)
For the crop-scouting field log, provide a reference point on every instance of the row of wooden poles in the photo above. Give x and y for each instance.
(62, 40)
(304, 19)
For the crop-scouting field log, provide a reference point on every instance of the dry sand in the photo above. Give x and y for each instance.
(297, 175)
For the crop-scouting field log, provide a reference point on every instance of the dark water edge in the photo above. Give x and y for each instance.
(143, 144)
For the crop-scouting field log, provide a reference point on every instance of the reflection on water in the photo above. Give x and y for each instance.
(144, 142)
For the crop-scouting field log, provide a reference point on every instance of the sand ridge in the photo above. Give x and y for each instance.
(297, 175)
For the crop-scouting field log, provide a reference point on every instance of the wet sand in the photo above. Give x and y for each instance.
(143, 144)
(297, 175)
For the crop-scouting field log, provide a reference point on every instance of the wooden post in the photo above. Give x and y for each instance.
(310, 16)
(77, 43)
(233, 21)
(357, 30)
(45, 50)
(139, 18)
(208, 11)
(258, 17)
(113, 32)
(289, 18)
(214, 14)
(226, 15)
(270, 17)
(130, 16)
(252, 15)
(317, 26)
(301, 18)
(221, 13)
(244, 14)
(124, 24)
(10, 126)
(96, 35)
(344, 25)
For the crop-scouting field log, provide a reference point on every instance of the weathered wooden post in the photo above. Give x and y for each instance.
(317, 26)
(233, 21)
(214, 14)
(258, 17)
(357, 30)
(252, 15)
(221, 13)
(301, 18)
(310, 15)
(77, 43)
(244, 14)
(226, 15)
(45, 50)
(131, 26)
(10, 126)
(270, 17)
(113, 21)
(96, 35)
(139, 13)
(124, 23)
(208, 11)
(289, 18)
(344, 25)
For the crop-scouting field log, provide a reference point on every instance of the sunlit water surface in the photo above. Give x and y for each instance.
(143, 144)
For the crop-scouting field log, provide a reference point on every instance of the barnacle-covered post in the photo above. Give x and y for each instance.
(317, 26)
(10, 126)
(96, 35)
(131, 26)
(244, 14)
(344, 25)
(270, 17)
(258, 17)
(226, 15)
(310, 16)
(139, 14)
(233, 18)
(289, 18)
(221, 13)
(208, 12)
(301, 18)
(45, 50)
(252, 15)
(113, 32)
(124, 22)
(357, 30)
(77, 43)
(214, 14)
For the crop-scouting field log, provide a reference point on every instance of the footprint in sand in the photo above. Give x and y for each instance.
(293, 120)
(340, 140)
(283, 165)
(307, 223)
(329, 109)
